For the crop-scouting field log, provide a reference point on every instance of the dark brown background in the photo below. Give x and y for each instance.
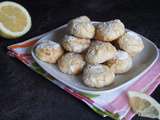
(24, 95)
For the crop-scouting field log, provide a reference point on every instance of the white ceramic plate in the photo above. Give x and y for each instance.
(141, 64)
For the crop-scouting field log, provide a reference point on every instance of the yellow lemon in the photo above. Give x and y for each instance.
(144, 105)
(15, 20)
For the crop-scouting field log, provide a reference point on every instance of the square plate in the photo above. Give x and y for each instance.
(141, 63)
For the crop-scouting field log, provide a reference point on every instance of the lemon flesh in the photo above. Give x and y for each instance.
(14, 19)
(144, 105)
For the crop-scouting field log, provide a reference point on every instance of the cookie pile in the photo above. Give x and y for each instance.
(98, 51)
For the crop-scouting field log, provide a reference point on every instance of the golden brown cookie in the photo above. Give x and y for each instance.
(131, 42)
(121, 62)
(49, 51)
(71, 63)
(100, 52)
(81, 27)
(97, 76)
(74, 44)
(109, 31)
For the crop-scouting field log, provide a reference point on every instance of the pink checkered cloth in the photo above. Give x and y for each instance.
(117, 108)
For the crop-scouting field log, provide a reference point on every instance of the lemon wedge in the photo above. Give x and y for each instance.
(15, 20)
(144, 105)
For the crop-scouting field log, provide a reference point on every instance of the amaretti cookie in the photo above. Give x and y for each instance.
(71, 63)
(49, 51)
(121, 62)
(109, 31)
(131, 43)
(74, 44)
(81, 28)
(97, 76)
(99, 52)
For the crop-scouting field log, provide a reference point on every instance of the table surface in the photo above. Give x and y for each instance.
(25, 95)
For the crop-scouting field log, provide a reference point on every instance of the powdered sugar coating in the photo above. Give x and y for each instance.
(71, 63)
(109, 31)
(81, 29)
(121, 63)
(49, 44)
(69, 38)
(100, 52)
(121, 55)
(131, 43)
(134, 35)
(97, 76)
(74, 44)
(96, 68)
(48, 51)
(81, 19)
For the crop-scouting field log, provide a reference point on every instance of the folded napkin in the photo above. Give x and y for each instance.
(113, 105)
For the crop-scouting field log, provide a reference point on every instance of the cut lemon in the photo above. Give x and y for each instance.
(15, 20)
(144, 105)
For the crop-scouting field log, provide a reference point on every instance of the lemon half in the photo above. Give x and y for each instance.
(15, 20)
(144, 105)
